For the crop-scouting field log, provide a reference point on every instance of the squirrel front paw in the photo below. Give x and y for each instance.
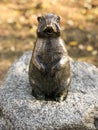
(54, 69)
(42, 68)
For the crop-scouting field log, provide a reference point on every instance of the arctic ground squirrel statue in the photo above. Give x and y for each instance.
(49, 69)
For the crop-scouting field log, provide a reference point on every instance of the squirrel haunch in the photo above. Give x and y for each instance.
(49, 69)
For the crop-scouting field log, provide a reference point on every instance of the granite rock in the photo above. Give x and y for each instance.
(19, 110)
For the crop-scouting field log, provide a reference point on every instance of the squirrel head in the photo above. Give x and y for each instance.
(48, 26)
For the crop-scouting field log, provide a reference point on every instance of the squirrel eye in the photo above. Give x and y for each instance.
(39, 19)
(58, 19)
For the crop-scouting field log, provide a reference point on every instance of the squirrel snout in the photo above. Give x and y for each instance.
(50, 28)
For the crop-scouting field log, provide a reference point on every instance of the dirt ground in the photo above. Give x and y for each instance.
(18, 24)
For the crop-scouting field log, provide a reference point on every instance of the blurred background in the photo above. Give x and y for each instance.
(18, 24)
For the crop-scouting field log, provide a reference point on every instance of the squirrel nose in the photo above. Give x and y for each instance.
(49, 26)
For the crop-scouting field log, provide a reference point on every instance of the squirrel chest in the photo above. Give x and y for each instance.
(49, 51)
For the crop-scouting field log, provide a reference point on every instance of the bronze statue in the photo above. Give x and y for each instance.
(49, 70)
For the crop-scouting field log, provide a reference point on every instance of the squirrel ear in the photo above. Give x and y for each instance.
(58, 18)
(39, 19)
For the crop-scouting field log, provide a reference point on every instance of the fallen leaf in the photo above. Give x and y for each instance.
(70, 22)
(96, 11)
(84, 11)
(81, 47)
(73, 43)
(90, 17)
(81, 27)
(12, 48)
(95, 52)
(19, 26)
(89, 48)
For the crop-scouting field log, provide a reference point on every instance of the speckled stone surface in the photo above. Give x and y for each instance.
(19, 110)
